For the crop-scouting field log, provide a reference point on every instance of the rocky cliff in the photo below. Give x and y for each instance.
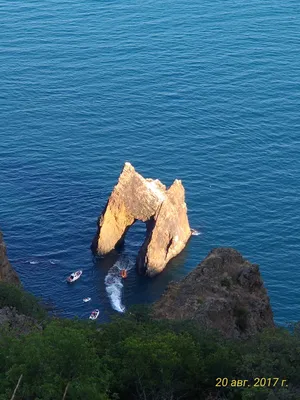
(10, 318)
(7, 273)
(225, 292)
(163, 210)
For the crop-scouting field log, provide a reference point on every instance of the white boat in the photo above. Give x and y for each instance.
(74, 276)
(94, 315)
(86, 299)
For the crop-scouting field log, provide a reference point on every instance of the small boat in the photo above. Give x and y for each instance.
(74, 276)
(86, 299)
(94, 315)
(123, 273)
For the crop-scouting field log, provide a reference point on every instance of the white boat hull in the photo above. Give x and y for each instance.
(74, 276)
(94, 315)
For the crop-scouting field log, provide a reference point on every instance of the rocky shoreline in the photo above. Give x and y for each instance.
(7, 273)
(224, 292)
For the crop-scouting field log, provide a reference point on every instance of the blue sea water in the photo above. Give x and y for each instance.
(205, 91)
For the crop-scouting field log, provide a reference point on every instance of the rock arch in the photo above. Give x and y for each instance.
(163, 210)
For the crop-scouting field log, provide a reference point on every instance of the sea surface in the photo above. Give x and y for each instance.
(204, 91)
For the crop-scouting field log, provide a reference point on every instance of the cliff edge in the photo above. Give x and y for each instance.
(224, 292)
(7, 273)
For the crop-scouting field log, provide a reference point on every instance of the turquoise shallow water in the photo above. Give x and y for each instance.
(207, 92)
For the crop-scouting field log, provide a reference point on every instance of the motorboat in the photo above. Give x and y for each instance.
(86, 299)
(94, 314)
(74, 276)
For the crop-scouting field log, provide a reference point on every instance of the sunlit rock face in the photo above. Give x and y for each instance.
(163, 210)
(7, 273)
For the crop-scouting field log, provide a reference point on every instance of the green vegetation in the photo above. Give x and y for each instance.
(241, 315)
(24, 302)
(134, 357)
(226, 282)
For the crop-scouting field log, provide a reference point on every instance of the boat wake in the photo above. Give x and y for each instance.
(36, 261)
(114, 285)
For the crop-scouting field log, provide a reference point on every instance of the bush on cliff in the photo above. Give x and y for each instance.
(63, 353)
(24, 302)
(134, 357)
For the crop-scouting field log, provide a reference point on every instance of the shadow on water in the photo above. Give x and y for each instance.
(107, 261)
(150, 289)
(120, 293)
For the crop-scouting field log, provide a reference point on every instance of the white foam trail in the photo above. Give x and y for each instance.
(51, 261)
(114, 291)
(114, 285)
